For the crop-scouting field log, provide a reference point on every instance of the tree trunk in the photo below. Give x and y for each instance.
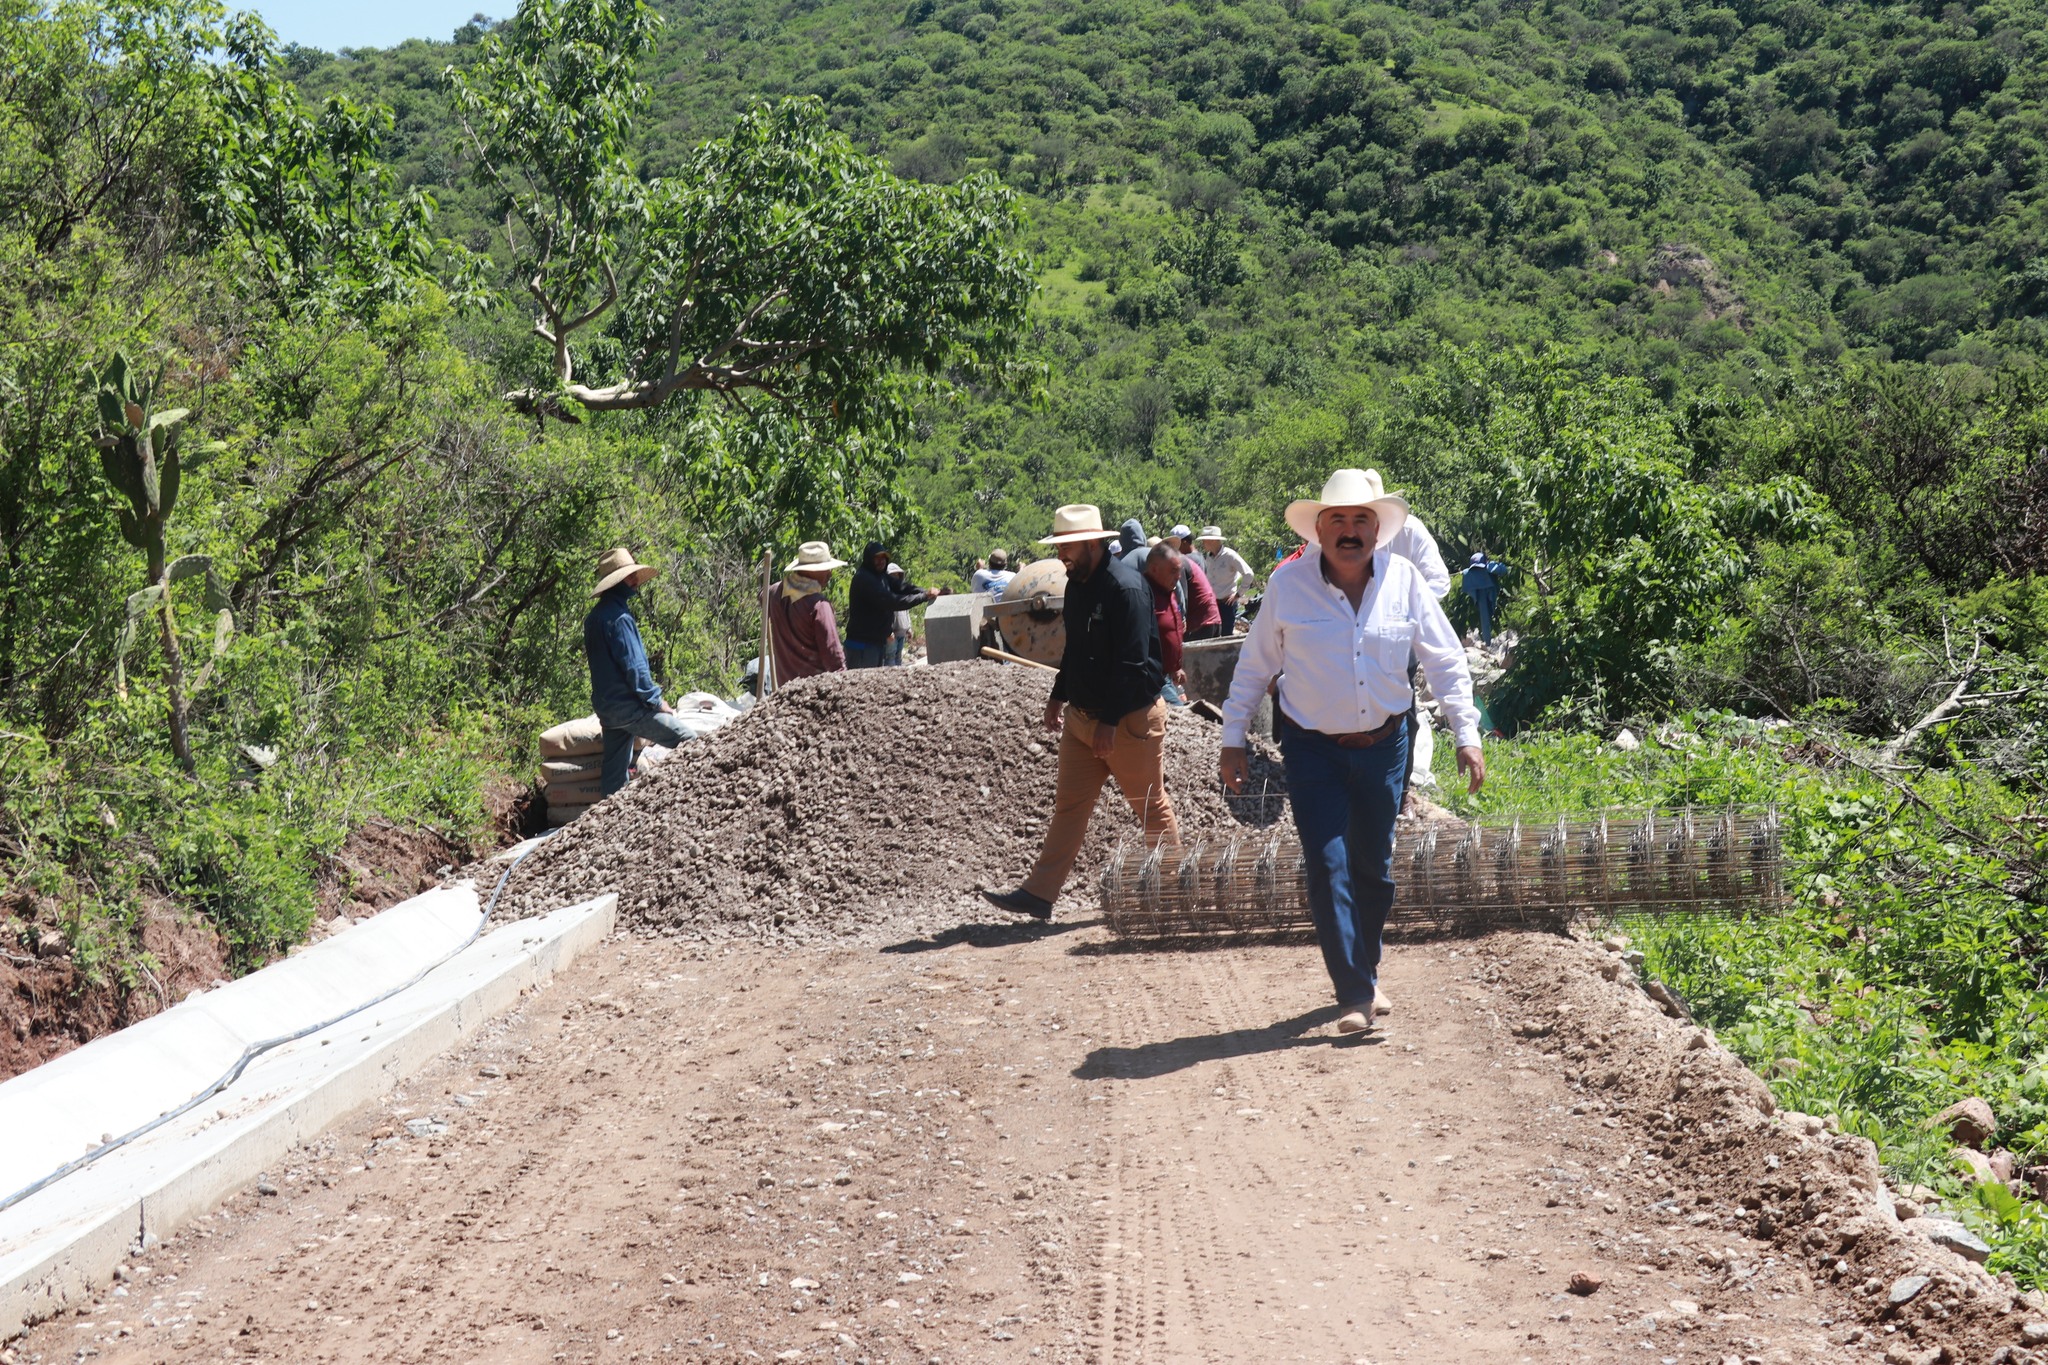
(174, 659)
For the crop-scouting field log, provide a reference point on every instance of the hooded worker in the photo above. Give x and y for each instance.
(1105, 706)
(872, 602)
(1337, 628)
(623, 693)
(803, 636)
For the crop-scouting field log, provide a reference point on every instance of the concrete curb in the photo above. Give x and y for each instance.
(56, 1245)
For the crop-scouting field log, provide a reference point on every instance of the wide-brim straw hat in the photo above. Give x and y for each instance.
(1214, 533)
(1077, 521)
(814, 556)
(1350, 488)
(615, 567)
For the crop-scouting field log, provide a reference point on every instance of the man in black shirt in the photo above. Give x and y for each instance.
(872, 602)
(1108, 693)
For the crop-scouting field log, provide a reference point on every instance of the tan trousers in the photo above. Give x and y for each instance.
(1138, 763)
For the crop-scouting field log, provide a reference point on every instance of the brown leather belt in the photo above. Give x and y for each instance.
(1356, 739)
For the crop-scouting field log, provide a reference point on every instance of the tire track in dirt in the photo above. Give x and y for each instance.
(999, 1145)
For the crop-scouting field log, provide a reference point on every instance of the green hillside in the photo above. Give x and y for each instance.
(1255, 221)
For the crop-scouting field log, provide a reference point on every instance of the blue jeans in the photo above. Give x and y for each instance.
(1229, 610)
(860, 655)
(658, 727)
(1345, 801)
(1485, 605)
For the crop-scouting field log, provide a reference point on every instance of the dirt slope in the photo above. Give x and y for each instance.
(1018, 1144)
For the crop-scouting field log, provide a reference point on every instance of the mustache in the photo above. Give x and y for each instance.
(1348, 541)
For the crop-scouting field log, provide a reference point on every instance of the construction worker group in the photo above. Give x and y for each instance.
(1344, 625)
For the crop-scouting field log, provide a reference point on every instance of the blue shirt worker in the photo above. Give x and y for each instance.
(1337, 628)
(1482, 585)
(629, 705)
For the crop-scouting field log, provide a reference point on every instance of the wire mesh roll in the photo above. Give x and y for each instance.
(1473, 877)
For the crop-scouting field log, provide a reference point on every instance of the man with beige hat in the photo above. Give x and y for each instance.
(1107, 693)
(1229, 575)
(1337, 628)
(803, 634)
(623, 692)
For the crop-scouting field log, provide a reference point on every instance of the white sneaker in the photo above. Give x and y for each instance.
(1353, 1021)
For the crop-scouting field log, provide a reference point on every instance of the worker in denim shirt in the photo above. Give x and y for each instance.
(623, 693)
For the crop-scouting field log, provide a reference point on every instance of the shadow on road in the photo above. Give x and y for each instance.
(990, 935)
(1177, 1054)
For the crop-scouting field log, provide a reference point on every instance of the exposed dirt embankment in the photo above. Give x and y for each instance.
(1741, 1177)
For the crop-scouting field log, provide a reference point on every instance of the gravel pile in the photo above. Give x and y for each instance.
(855, 806)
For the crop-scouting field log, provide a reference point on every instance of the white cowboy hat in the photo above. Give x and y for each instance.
(814, 556)
(1350, 488)
(1077, 521)
(1210, 533)
(615, 566)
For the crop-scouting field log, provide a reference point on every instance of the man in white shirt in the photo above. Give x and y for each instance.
(1228, 574)
(996, 576)
(1414, 543)
(1337, 628)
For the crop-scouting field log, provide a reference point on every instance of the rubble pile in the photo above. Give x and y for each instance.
(856, 806)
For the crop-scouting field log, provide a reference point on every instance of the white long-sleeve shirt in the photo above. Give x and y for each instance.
(1414, 543)
(1227, 571)
(1341, 671)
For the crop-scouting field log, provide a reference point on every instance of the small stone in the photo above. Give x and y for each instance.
(2001, 1164)
(1582, 1283)
(908, 1277)
(1626, 741)
(1612, 968)
(421, 1128)
(1944, 1232)
(1969, 1122)
(264, 1187)
(1905, 1289)
(803, 1282)
(1685, 1308)
(490, 1072)
(1975, 1166)
(1697, 1042)
(2035, 1334)
(1906, 1209)
(1787, 1066)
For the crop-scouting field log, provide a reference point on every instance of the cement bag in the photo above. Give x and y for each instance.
(581, 794)
(1424, 741)
(563, 814)
(573, 739)
(701, 712)
(567, 772)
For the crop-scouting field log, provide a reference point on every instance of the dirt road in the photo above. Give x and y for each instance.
(1003, 1144)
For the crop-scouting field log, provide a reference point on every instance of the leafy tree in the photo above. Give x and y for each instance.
(777, 261)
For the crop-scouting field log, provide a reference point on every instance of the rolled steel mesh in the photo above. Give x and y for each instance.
(1465, 876)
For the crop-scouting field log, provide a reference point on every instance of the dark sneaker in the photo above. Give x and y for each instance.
(1018, 902)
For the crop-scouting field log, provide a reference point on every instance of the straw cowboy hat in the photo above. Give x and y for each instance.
(1077, 521)
(1350, 488)
(1214, 533)
(814, 556)
(615, 566)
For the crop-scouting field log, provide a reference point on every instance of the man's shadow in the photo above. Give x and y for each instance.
(1149, 1060)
